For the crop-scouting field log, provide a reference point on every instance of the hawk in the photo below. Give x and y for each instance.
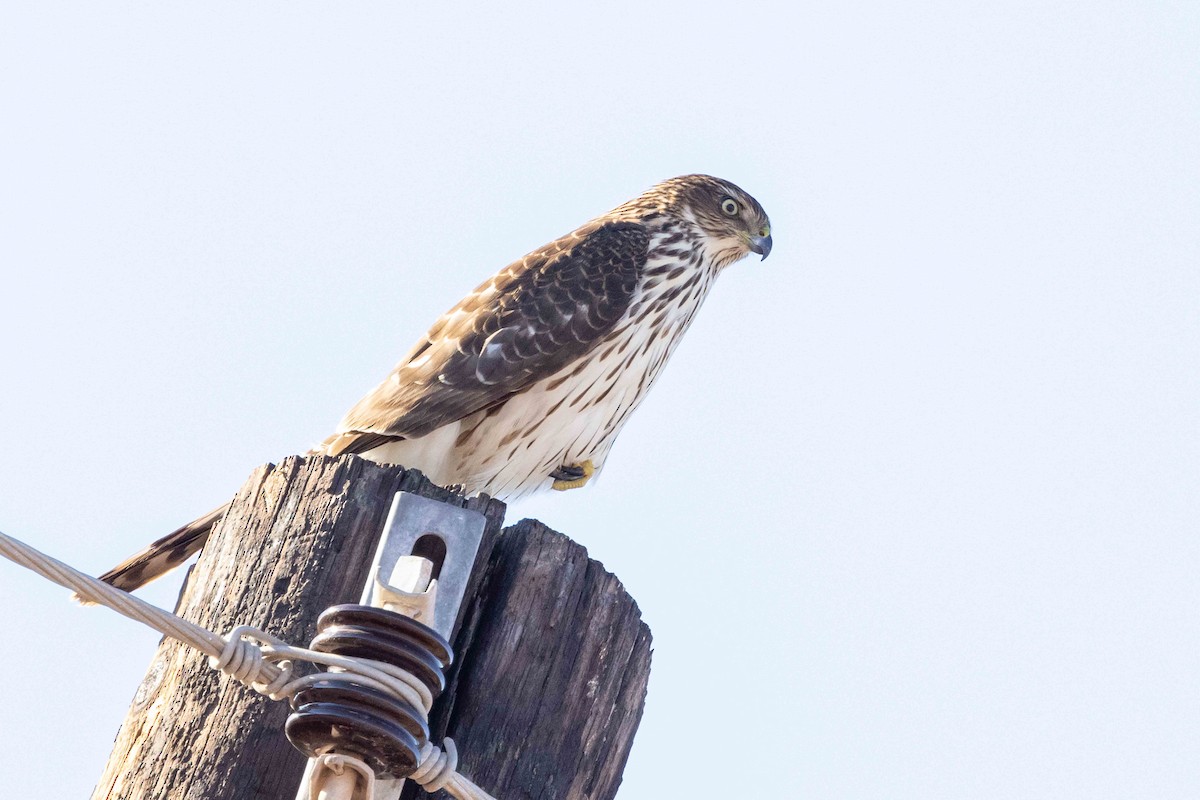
(525, 384)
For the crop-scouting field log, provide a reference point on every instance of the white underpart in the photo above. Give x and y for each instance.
(512, 450)
(432, 453)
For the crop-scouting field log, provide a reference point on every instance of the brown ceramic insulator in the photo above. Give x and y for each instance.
(337, 715)
(381, 619)
(380, 635)
(376, 645)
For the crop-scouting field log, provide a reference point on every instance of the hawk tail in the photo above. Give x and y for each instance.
(164, 555)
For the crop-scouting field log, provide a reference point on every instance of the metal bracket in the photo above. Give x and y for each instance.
(419, 529)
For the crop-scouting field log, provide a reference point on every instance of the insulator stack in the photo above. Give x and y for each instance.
(338, 714)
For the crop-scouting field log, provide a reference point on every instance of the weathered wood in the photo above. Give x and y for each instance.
(552, 658)
(298, 538)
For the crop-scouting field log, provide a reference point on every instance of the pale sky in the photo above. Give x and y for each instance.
(921, 487)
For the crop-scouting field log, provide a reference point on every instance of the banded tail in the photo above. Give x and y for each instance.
(164, 555)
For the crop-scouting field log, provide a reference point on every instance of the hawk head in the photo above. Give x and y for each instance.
(731, 222)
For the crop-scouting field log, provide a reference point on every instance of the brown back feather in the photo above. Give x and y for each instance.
(533, 318)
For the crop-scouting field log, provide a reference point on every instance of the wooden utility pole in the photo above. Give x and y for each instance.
(551, 655)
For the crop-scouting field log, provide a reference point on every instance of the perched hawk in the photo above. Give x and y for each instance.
(526, 383)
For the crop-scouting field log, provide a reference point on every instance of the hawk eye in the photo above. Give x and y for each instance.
(729, 206)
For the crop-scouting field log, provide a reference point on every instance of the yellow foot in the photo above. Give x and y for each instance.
(572, 477)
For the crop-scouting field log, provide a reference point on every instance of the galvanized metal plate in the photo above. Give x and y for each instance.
(413, 518)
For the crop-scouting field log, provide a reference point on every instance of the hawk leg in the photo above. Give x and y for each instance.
(572, 476)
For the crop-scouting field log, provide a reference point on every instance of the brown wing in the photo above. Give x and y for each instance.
(528, 322)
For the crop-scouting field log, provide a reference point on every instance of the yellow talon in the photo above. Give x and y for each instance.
(562, 485)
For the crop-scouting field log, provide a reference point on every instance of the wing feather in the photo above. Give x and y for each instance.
(528, 322)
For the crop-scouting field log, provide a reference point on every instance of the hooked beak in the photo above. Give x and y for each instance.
(761, 245)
